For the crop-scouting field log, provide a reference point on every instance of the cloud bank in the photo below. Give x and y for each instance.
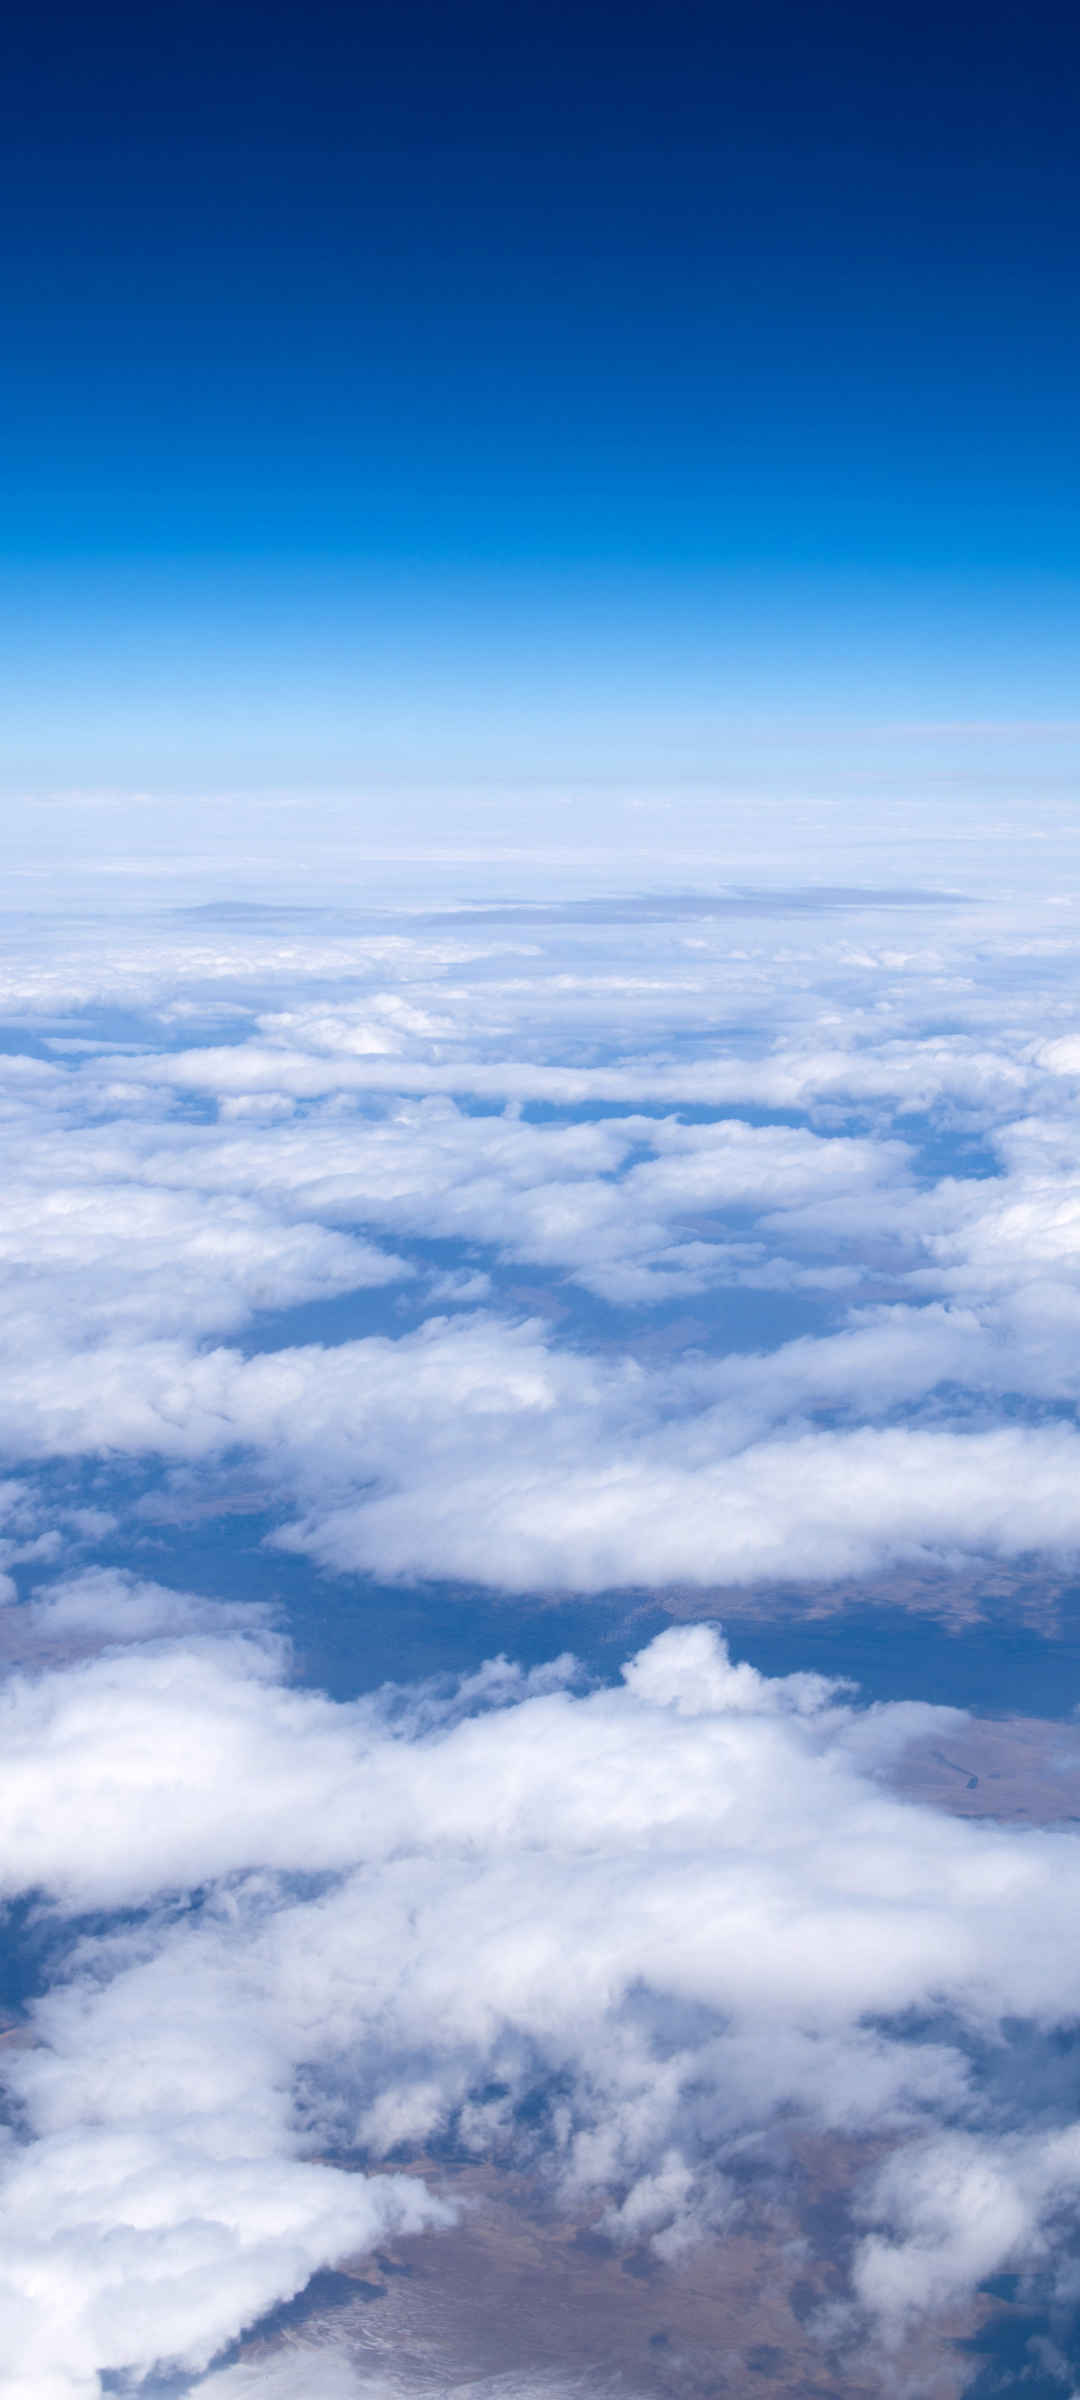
(564, 1252)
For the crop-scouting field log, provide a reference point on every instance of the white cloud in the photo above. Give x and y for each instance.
(539, 1468)
(106, 1606)
(690, 1904)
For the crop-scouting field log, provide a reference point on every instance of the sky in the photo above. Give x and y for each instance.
(539, 1238)
(410, 401)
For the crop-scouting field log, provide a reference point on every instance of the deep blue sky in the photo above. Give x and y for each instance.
(377, 378)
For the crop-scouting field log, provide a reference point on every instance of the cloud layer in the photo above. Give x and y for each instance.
(559, 1253)
(867, 1222)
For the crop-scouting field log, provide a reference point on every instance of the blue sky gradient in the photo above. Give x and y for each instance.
(412, 394)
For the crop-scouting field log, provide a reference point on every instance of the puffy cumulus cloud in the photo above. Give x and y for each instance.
(37, 1530)
(811, 1504)
(949, 2211)
(83, 1260)
(207, 1719)
(151, 2223)
(476, 1448)
(103, 1607)
(603, 1935)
